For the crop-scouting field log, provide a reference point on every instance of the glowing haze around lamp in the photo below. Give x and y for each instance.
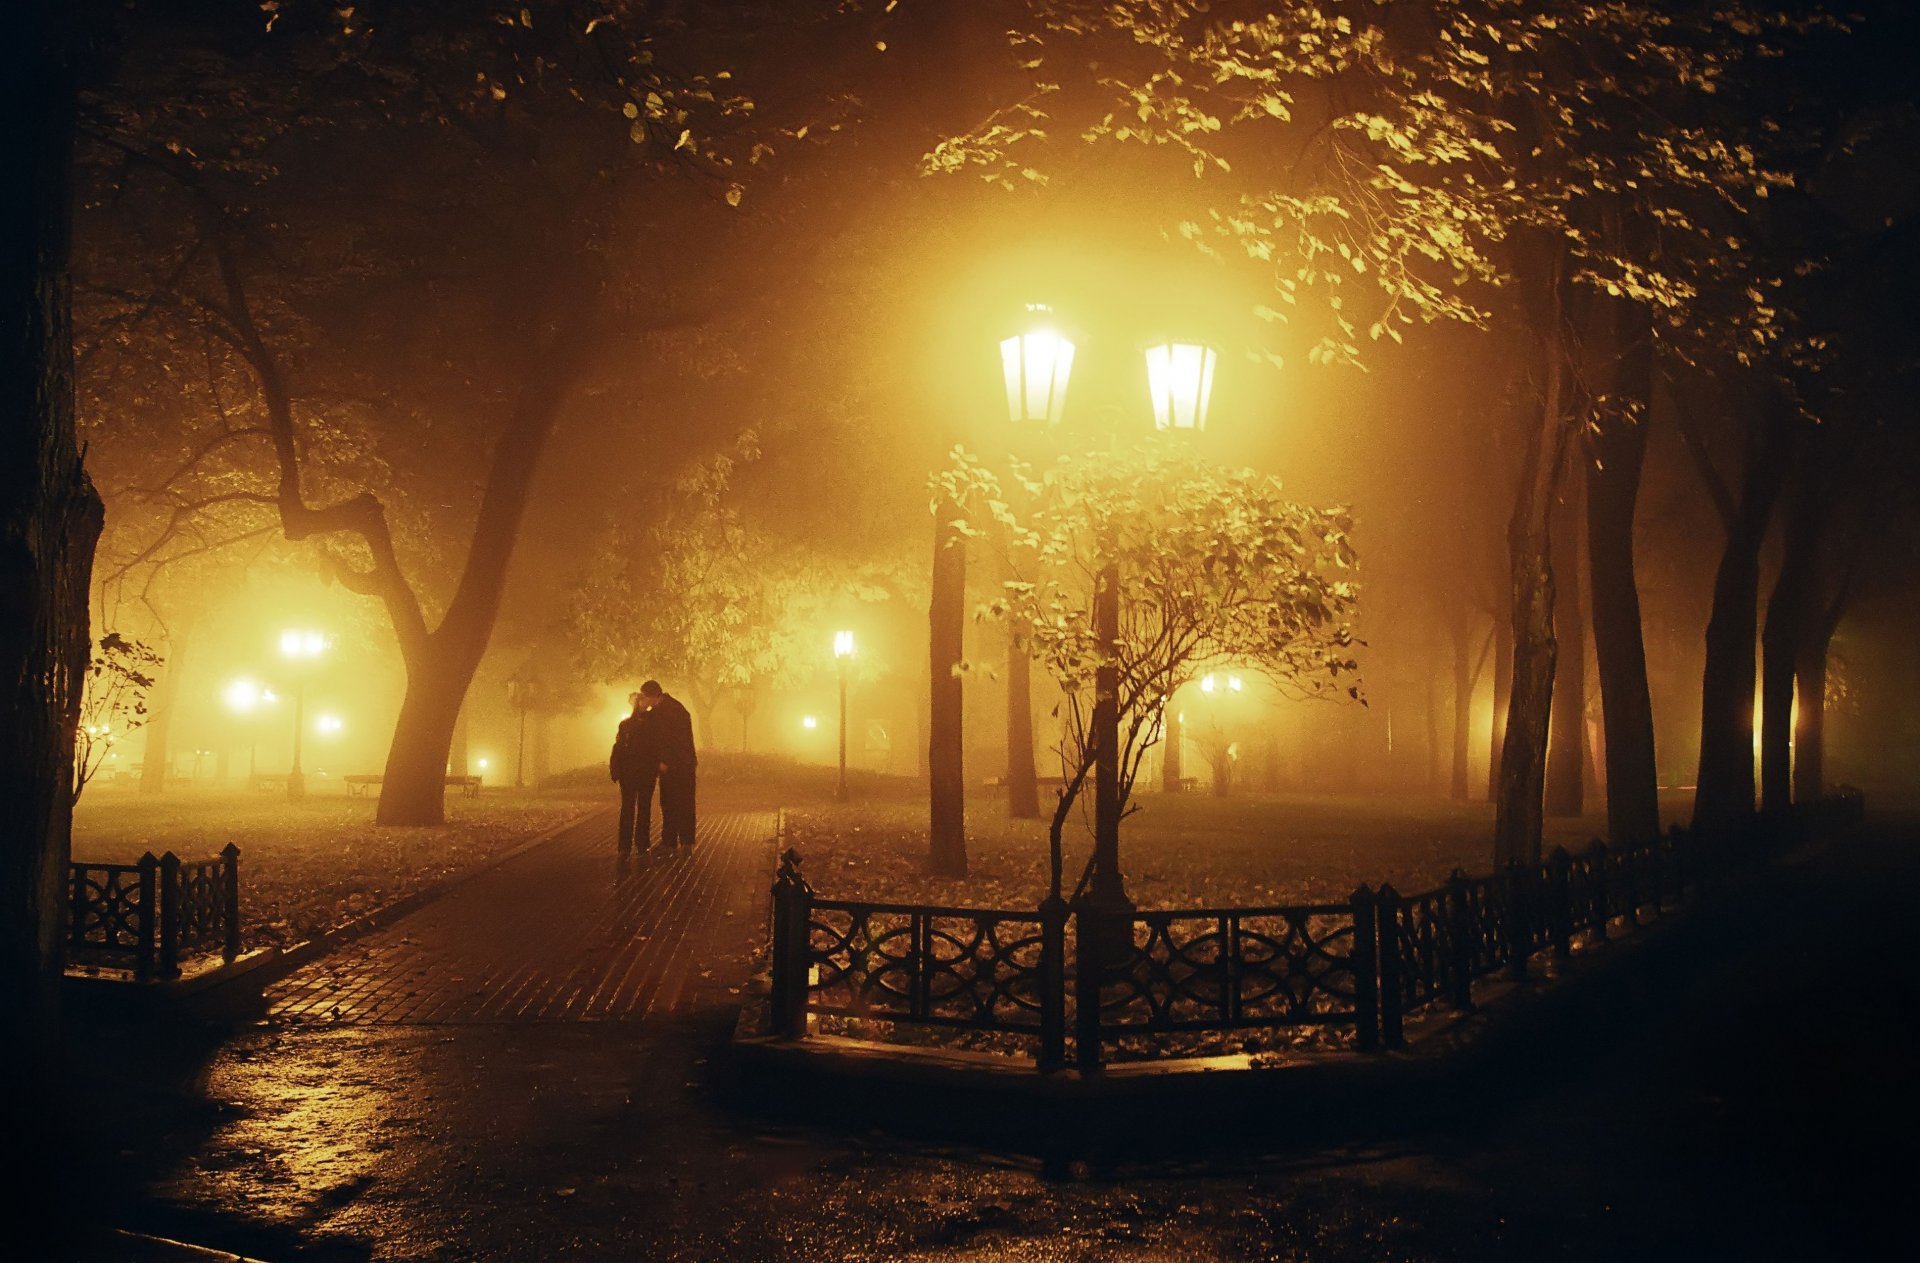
(1180, 379)
(1037, 364)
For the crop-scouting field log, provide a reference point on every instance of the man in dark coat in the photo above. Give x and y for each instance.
(672, 729)
(635, 763)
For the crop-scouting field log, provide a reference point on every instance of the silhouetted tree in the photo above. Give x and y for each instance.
(1216, 568)
(49, 520)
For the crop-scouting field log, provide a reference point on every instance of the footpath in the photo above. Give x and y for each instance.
(536, 1068)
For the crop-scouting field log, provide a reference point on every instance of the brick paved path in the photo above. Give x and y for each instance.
(555, 935)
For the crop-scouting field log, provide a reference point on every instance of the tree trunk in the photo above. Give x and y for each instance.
(1523, 754)
(1810, 726)
(458, 760)
(413, 788)
(1023, 788)
(1433, 720)
(1502, 696)
(50, 518)
(1566, 739)
(946, 617)
(440, 664)
(1793, 617)
(1460, 631)
(156, 757)
(1616, 453)
(1723, 798)
(1170, 773)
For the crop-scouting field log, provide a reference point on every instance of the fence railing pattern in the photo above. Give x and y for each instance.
(1232, 967)
(145, 916)
(940, 966)
(1363, 964)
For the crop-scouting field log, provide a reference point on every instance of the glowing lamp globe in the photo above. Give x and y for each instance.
(843, 644)
(1180, 379)
(1037, 364)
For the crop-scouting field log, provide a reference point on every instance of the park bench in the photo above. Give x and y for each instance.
(996, 785)
(357, 785)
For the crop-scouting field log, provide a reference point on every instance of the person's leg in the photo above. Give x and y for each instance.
(643, 829)
(687, 811)
(628, 800)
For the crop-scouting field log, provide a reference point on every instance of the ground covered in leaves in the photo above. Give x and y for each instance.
(1177, 851)
(309, 866)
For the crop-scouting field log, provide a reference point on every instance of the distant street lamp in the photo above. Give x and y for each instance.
(244, 697)
(331, 725)
(842, 653)
(522, 692)
(299, 648)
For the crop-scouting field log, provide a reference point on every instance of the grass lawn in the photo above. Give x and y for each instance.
(308, 866)
(1189, 850)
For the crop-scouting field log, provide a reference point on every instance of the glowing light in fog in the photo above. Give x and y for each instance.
(1037, 365)
(1180, 379)
(808, 721)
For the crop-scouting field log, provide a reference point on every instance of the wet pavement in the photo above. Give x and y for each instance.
(1751, 1098)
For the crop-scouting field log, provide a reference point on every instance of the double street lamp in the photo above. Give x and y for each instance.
(1037, 365)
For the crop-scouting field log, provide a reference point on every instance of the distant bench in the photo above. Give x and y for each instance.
(998, 784)
(469, 785)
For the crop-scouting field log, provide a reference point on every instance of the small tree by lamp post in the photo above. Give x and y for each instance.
(299, 647)
(842, 654)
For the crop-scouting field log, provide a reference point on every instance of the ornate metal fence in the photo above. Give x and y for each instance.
(1363, 964)
(1224, 969)
(145, 916)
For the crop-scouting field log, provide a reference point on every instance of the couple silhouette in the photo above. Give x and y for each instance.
(654, 747)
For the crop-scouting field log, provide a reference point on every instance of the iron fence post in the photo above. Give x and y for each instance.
(148, 925)
(230, 875)
(1366, 970)
(1597, 890)
(1392, 966)
(1560, 901)
(169, 915)
(1459, 943)
(792, 913)
(1053, 983)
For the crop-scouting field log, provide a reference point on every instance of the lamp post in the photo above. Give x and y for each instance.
(299, 647)
(1037, 364)
(842, 654)
(1180, 382)
(244, 697)
(521, 692)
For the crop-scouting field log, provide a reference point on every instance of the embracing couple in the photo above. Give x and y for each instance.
(654, 746)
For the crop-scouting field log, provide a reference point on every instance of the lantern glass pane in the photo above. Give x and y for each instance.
(1180, 379)
(1036, 366)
